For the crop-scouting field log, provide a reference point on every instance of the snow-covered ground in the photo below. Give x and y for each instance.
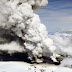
(24, 67)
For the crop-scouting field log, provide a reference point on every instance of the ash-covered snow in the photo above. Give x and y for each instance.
(24, 67)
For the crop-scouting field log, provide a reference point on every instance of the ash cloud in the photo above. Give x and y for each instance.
(28, 33)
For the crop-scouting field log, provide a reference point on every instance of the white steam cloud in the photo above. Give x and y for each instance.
(18, 21)
(17, 16)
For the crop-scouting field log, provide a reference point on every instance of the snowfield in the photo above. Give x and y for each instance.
(24, 67)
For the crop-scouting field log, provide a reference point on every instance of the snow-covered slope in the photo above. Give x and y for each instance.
(24, 67)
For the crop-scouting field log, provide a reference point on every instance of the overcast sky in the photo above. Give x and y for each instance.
(57, 15)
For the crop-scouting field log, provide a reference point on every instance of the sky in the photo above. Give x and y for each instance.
(57, 15)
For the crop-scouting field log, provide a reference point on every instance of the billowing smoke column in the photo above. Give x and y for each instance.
(23, 30)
